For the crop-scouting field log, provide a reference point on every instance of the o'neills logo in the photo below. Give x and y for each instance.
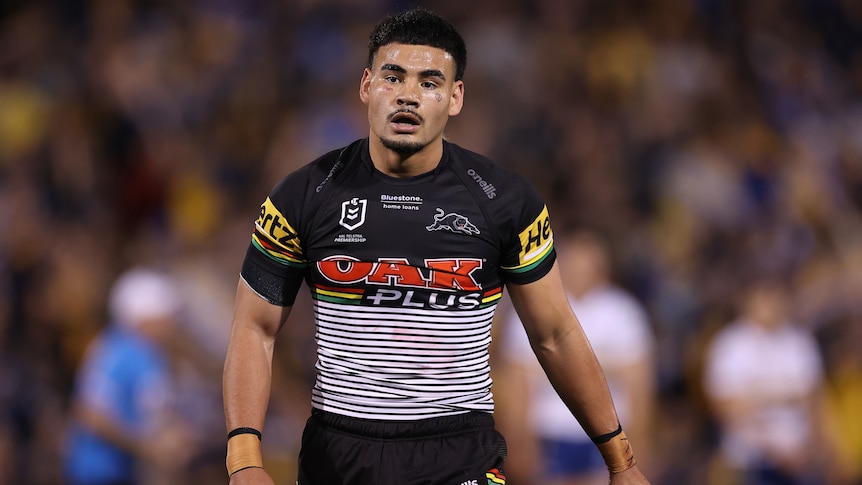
(489, 189)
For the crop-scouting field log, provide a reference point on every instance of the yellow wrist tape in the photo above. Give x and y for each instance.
(243, 451)
(617, 453)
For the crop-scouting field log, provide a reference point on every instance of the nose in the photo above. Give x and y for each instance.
(409, 94)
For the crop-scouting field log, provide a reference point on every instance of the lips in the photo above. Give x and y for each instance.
(405, 121)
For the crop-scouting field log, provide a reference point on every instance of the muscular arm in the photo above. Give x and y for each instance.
(248, 364)
(565, 353)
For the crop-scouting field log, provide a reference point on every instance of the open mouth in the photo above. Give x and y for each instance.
(405, 121)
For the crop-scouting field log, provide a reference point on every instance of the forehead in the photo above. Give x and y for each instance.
(415, 57)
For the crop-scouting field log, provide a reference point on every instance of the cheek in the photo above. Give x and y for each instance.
(380, 96)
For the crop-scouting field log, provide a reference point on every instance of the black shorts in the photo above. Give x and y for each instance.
(455, 450)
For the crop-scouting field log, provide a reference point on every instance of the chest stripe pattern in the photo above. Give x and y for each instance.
(381, 363)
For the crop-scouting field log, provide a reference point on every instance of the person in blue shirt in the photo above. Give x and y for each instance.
(122, 429)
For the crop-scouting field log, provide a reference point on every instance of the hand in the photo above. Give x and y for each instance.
(251, 476)
(632, 476)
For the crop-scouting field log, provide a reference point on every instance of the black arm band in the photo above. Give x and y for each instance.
(607, 437)
(239, 431)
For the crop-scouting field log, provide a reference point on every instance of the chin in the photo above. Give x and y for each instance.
(403, 147)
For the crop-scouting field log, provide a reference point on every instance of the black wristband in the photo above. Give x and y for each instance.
(607, 437)
(239, 431)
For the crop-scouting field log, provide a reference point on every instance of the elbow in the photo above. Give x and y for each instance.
(550, 343)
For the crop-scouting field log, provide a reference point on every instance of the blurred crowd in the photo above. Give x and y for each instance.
(715, 145)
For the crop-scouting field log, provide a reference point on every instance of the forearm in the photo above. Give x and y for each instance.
(638, 382)
(247, 378)
(575, 373)
(246, 389)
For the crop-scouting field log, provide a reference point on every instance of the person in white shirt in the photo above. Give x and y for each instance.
(763, 377)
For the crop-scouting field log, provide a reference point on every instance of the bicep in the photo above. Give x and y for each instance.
(252, 312)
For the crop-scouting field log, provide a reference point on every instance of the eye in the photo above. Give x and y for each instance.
(429, 85)
(392, 78)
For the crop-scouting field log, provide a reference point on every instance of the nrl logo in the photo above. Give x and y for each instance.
(452, 222)
(353, 213)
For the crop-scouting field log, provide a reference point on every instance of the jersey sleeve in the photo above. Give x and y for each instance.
(275, 262)
(530, 253)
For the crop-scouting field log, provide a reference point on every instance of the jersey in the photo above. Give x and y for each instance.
(404, 273)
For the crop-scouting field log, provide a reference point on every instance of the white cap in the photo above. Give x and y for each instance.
(142, 294)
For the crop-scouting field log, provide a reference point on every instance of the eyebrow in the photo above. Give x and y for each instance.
(426, 73)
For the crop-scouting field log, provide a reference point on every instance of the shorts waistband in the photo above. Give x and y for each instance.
(420, 428)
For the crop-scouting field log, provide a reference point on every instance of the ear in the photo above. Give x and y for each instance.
(365, 85)
(456, 101)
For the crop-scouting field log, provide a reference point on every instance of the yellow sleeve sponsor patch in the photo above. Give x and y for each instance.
(276, 229)
(536, 240)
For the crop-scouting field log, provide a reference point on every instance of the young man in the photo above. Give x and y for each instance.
(406, 241)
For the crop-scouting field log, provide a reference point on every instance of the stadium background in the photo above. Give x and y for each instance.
(713, 142)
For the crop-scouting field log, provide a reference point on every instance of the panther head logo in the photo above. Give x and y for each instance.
(452, 222)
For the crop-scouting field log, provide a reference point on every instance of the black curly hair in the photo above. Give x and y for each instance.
(419, 26)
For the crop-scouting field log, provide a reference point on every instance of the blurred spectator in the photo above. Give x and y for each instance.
(764, 381)
(621, 335)
(124, 429)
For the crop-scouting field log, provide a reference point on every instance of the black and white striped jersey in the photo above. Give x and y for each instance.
(405, 274)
